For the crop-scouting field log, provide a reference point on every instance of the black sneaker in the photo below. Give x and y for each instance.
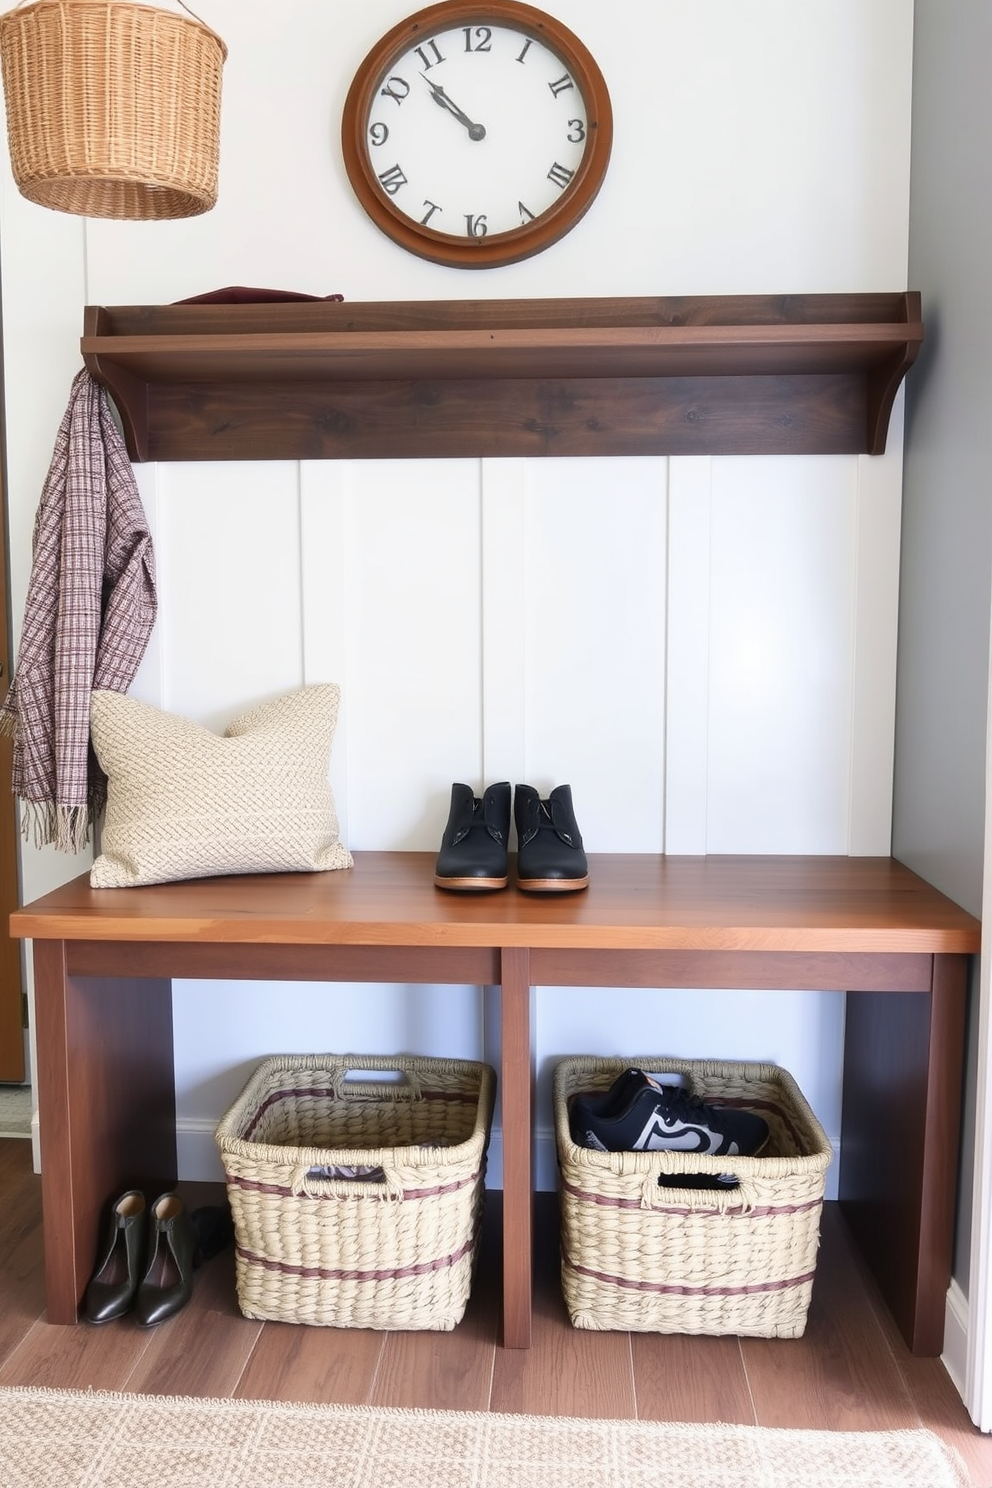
(610, 1103)
(641, 1114)
(605, 1103)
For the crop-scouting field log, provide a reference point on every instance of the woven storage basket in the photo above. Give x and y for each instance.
(113, 109)
(646, 1258)
(393, 1250)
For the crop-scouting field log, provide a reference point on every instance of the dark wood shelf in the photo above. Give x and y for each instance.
(807, 374)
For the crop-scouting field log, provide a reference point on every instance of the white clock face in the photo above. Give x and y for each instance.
(475, 130)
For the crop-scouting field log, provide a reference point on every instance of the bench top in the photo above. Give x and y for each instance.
(635, 901)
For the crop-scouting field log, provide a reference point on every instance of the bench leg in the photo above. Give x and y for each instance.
(106, 1108)
(903, 1063)
(516, 1082)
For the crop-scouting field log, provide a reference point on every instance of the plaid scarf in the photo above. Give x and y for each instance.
(90, 609)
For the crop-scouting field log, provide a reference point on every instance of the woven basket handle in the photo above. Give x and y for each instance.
(194, 14)
(388, 1188)
(354, 1080)
(654, 1196)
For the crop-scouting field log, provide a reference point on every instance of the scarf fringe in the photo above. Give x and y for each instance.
(67, 827)
(8, 724)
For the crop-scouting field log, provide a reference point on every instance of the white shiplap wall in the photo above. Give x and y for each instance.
(704, 649)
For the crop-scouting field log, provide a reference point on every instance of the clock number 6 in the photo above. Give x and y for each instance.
(392, 179)
(476, 227)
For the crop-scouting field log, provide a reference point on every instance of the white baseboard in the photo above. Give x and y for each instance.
(955, 1355)
(196, 1152)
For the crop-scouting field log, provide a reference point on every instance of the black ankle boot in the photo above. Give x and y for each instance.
(112, 1286)
(474, 845)
(167, 1284)
(550, 859)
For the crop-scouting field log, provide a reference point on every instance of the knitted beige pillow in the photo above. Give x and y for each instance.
(183, 802)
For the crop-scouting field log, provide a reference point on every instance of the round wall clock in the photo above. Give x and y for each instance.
(477, 132)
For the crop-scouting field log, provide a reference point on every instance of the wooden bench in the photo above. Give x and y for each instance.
(104, 962)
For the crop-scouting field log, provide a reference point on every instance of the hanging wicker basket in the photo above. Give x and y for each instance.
(113, 109)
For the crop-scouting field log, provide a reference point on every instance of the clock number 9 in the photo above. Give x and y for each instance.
(378, 133)
(483, 38)
(476, 227)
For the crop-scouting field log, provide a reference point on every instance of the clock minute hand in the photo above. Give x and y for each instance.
(475, 131)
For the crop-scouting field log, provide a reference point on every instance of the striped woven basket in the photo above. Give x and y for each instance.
(640, 1256)
(357, 1201)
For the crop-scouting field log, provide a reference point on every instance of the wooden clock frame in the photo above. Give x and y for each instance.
(497, 248)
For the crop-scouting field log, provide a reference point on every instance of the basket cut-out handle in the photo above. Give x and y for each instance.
(303, 1184)
(358, 1081)
(742, 1197)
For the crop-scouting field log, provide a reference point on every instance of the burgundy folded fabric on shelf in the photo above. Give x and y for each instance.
(238, 294)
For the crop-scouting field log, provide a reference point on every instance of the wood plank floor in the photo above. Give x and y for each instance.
(849, 1372)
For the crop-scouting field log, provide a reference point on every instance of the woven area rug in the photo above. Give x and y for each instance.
(15, 1111)
(76, 1439)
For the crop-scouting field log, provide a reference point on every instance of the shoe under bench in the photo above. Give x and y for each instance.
(104, 960)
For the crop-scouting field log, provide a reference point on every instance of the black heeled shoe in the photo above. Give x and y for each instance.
(167, 1283)
(111, 1289)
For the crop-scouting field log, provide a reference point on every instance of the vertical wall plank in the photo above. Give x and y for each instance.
(781, 654)
(324, 489)
(505, 542)
(412, 576)
(876, 626)
(688, 647)
(229, 600)
(594, 576)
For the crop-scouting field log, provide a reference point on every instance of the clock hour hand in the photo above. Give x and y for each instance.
(475, 131)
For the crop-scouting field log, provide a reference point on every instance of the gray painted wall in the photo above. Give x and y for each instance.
(946, 577)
